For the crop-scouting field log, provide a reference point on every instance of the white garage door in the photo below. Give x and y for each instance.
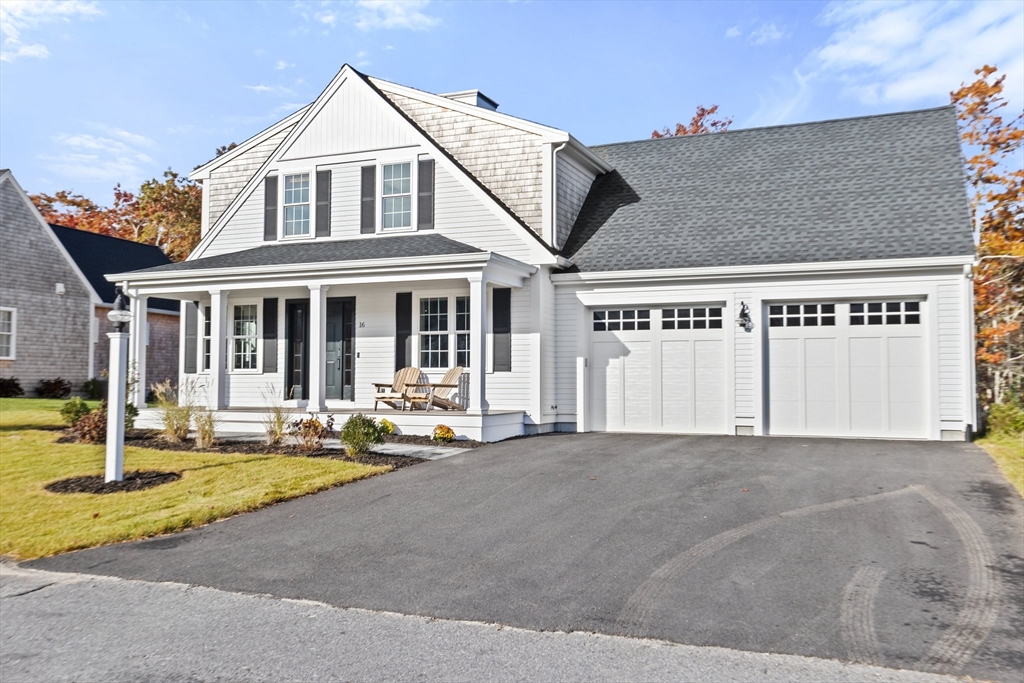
(659, 370)
(848, 369)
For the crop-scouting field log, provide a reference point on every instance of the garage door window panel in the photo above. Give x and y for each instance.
(885, 313)
(622, 320)
(691, 318)
(802, 315)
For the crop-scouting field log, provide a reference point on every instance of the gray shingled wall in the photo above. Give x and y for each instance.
(508, 161)
(228, 180)
(52, 330)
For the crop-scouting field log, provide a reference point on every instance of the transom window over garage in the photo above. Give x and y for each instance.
(622, 319)
(802, 315)
(886, 312)
(709, 318)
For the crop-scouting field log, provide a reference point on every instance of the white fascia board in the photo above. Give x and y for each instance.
(550, 134)
(821, 268)
(94, 298)
(203, 172)
(587, 156)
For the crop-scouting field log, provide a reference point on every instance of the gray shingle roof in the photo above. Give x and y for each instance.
(366, 249)
(878, 187)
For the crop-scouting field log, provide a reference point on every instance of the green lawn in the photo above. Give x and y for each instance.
(1008, 452)
(35, 523)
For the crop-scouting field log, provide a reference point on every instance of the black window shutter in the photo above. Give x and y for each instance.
(191, 336)
(368, 205)
(403, 330)
(270, 335)
(323, 203)
(270, 208)
(425, 204)
(501, 328)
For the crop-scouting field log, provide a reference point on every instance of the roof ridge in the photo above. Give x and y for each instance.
(100, 234)
(778, 125)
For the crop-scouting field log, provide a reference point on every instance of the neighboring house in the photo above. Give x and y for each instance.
(809, 279)
(54, 297)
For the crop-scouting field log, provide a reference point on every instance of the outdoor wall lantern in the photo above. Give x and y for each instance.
(744, 320)
(119, 315)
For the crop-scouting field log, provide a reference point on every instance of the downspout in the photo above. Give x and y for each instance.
(554, 194)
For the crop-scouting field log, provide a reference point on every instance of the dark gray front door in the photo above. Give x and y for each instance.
(340, 348)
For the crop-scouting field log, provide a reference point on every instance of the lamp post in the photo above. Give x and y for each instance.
(117, 382)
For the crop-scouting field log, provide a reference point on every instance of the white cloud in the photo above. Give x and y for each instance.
(279, 90)
(282, 65)
(374, 14)
(18, 17)
(259, 88)
(733, 32)
(908, 53)
(764, 34)
(328, 18)
(114, 157)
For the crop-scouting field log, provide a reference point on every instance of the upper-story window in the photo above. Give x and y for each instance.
(396, 190)
(296, 205)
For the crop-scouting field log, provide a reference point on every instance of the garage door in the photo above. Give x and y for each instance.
(847, 369)
(659, 370)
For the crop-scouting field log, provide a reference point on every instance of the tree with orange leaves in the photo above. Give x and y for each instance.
(992, 161)
(699, 124)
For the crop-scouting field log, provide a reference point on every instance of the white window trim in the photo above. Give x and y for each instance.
(312, 205)
(451, 295)
(14, 333)
(230, 341)
(413, 194)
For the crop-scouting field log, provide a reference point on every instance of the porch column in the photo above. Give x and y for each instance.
(137, 350)
(477, 402)
(215, 392)
(317, 341)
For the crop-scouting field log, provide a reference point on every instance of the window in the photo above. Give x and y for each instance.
(802, 315)
(434, 332)
(397, 195)
(691, 318)
(8, 330)
(244, 336)
(296, 205)
(207, 323)
(462, 331)
(887, 312)
(628, 319)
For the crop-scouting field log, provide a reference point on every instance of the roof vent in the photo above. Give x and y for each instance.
(474, 97)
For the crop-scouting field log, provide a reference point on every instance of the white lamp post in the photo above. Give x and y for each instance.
(117, 381)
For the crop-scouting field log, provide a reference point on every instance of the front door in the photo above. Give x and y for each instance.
(297, 349)
(340, 348)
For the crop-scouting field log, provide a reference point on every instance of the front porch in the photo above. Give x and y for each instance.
(493, 426)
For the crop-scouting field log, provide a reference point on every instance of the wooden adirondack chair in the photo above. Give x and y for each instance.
(438, 393)
(394, 391)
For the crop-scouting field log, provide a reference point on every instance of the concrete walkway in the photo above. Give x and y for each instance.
(73, 627)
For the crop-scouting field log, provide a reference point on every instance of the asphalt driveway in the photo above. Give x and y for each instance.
(903, 554)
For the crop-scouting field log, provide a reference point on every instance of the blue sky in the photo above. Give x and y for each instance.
(95, 93)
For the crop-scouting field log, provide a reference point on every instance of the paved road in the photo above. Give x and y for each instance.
(903, 554)
(71, 627)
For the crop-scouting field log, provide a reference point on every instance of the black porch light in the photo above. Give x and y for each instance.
(119, 314)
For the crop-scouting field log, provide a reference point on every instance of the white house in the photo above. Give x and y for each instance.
(810, 279)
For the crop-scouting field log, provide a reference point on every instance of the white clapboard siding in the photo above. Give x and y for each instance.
(352, 120)
(549, 351)
(512, 390)
(226, 181)
(244, 230)
(746, 372)
(567, 334)
(346, 182)
(572, 185)
(949, 309)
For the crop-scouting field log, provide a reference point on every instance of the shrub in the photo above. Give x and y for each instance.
(92, 427)
(206, 426)
(1006, 418)
(95, 389)
(359, 433)
(443, 433)
(311, 432)
(53, 388)
(387, 426)
(275, 420)
(10, 387)
(74, 410)
(131, 412)
(177, 417)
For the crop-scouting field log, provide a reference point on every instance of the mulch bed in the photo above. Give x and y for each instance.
(133, 481)
(415, 440)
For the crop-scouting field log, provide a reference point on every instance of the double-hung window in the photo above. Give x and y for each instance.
(8, 324)
(244, 336)
(396, 190)
(462, 331)
(207, 326)
(296, 205)
(434, 332)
